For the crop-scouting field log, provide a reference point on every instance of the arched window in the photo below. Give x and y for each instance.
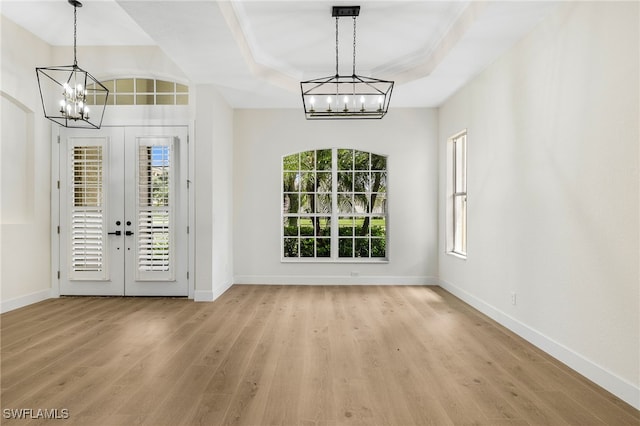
(334, 205)
(143, 91)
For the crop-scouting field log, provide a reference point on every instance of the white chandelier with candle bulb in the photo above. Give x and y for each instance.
(346, 96)
(70, 95)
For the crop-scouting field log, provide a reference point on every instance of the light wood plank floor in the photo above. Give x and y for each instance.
(288, 355)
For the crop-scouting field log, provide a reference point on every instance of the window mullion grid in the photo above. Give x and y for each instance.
(455, 189)
(334, 205)
(315, 211)
(310, 215)
(298, 214)
(314, 205)
(369, 206)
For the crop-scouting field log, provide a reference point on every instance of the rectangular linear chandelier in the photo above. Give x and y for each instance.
(346, 96)
(66, 91)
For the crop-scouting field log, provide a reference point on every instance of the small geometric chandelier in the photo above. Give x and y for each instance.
(342, 96)
(70, 95)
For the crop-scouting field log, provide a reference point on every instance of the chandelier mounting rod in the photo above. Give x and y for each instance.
(76, 4)
(354, 45)
(337, 73)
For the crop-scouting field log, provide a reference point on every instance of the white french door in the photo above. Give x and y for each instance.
(123, 211)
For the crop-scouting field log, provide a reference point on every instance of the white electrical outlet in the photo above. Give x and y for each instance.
(513, 298)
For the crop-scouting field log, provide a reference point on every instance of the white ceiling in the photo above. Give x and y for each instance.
(258, 51)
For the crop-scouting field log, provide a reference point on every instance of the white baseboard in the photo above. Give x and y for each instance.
(203, 296)
(22, 301)
(209, 295)
(333, 280)
(618, 386)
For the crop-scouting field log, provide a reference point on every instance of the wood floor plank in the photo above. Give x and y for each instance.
(316, 403)
(414, 359)
(569, 410)
(228, 374)
(36, 324)
(384, 362)
(250, 400)
(212, 407)
(351, 403)
(282, 396)
(304, 355)
(102, 363)
(45, 336)
(491, 357)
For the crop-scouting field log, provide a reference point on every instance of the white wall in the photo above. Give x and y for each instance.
(213, 194)
(406, 136)
(553, 191)
(25, 151)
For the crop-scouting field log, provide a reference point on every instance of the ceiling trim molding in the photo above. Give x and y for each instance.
(264, 72)
(425, 65)
(414, 67)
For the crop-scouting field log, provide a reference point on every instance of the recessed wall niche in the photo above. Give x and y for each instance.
(17, 156)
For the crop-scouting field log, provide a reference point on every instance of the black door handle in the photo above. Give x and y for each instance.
(128, 233)
(115, 233)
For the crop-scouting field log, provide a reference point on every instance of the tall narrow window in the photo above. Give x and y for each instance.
(334, 205)
(457, 227)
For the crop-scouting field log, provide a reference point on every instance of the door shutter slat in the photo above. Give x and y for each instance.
(155, 229)
(87, 212)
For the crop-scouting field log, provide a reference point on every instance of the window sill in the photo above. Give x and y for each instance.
(329, 260)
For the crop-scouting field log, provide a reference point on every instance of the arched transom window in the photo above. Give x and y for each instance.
(143, 91)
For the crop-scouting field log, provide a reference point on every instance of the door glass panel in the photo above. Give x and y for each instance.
(155, 228)
(87, 212)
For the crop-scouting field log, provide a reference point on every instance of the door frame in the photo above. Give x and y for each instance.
(56, 193)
